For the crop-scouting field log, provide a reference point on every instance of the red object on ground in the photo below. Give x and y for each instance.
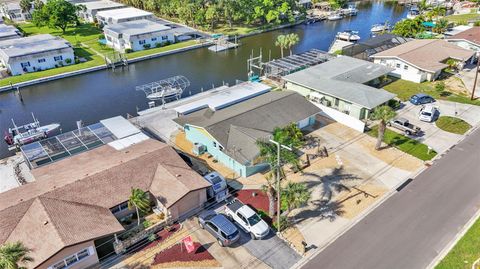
(161, 236)
(258, 202)
(175, 254)
(188, 242)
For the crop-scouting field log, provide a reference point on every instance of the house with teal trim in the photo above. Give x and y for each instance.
(230, 134)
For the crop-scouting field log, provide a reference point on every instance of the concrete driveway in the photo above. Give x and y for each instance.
(434, 137)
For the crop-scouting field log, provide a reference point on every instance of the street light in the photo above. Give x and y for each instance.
(476, 75)
(278, 177)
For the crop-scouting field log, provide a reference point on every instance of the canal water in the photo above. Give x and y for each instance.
(95, 96)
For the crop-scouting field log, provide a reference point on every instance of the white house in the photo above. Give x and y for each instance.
(8, 32)
(93, 7)
(13, 12)
(422, 59)
(35, 53)
(137, 35)
(123, 15)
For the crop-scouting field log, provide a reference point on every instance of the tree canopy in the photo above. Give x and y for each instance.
(56, 14)
(14, 256)
(409, 27)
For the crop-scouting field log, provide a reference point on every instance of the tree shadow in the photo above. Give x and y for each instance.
(324, 209)
(331, 183)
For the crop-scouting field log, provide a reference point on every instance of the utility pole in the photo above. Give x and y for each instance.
(279, 146)
(476, 76)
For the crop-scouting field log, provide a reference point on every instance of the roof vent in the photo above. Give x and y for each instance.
(45, 222)
(178, 175)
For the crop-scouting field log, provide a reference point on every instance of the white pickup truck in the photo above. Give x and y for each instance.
(247, 219)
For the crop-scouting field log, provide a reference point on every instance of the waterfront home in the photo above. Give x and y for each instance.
(35, 53)
(8, 32)
(12, 11)
(123, 15)
(366, 48)
(342, 88)
(229, 134)
(422, 59)
(468, 39)
(78, 205)
(89, 14)
(137, 35)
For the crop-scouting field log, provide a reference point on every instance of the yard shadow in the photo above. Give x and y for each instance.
(331, 183)
(324, 209)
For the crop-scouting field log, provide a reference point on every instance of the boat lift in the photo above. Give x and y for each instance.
(165, 89)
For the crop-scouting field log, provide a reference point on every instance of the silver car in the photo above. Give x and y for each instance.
(220, 227)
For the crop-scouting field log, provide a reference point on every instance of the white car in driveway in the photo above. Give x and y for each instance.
(247, 219)
(428, 113)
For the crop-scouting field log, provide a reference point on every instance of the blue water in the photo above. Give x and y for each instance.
(95, 96)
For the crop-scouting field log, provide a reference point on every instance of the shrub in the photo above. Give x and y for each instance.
(128, 50)
(147, 224)
(394, 104)
(167, 43)
(68, 61)
(284, 223)
(152, 237)
(158, 45)
(477, 23)
(77, 61)
(440, 86)
(147, 46)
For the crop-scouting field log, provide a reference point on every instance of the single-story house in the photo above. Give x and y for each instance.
(230, 134)
(137, 35)
(91, 9)
(78, 203)
(422, 59)
(8, 32)
(35, 53)
(340, 88)
(363, 49)
(123, 15)
(468, 39)
(12, 11)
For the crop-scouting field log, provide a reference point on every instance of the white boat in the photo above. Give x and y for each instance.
(376, 28)
(352, 10)
(164, 93)
(348, 35)
(334, 17)
(28, 133)
(413, 12)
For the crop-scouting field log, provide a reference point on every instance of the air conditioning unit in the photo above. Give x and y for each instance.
(199, 149)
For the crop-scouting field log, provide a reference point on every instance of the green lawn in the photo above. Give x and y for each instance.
(404, 89)
(405, 144)
(453, 125)
(463, 18)
(80, 37)
(465, 252)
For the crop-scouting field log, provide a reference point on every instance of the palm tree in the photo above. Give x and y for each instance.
(383, 114)
(12, 254)
(282, 42)
(295, 195)
(293, 40)
(139, 200)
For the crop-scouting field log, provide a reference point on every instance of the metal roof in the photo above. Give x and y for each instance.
(32, 45)
(124, 13)
(343, 77)
(137, 27)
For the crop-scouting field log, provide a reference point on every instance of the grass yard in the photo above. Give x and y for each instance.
(404, 89)
(465, 252)
(463, 18)
(141, 53)
(405, 144)
(453, 125)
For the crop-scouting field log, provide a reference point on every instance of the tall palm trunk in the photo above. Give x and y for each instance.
(281, 51)
(271, 201)
(381, 134)
(138, 216)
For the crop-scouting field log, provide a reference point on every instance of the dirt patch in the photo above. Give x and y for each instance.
(178, 253)
(359, 198)
(162, 236)
(200, 264)
(455, 85)
(295, 238)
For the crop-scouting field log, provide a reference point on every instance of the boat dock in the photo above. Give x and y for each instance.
(223, 43)
(338, 45)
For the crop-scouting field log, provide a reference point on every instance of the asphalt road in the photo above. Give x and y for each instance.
(409, 229)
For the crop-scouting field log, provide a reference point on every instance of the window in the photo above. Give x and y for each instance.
(41, 60)
(242, 218)
(164, 37)
(398, 65)
(405, 67)
(120, 207)
(68, 261)
(214, 144)
(213, 227)
(26, 64)
(220, 147)
(154, 39)
(58, 58)
(141, 42)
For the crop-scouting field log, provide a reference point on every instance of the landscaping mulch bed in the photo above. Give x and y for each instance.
(178, 253)
(162, 235)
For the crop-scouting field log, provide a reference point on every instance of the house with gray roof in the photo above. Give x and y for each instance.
(341, 87)
(35, 53)
(91, 8)
(120, 15)
(13, 11)
(230, 134)
(137, 35)
(8, 32)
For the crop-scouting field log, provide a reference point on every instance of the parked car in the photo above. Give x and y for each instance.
(404, 125)
(248, 220)
(421, 98)
(428, 113)
(220, 227)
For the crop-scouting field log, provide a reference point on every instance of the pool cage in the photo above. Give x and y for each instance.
(293, 63)
(165, 89)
